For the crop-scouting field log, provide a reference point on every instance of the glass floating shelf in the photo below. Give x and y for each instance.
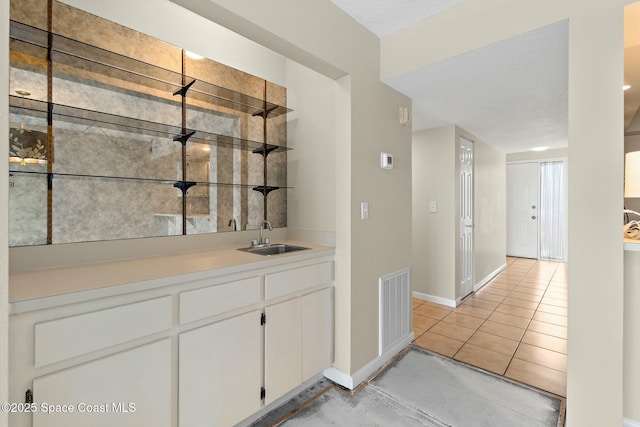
(74, 115)
(72, 57)
(174, 183)
(83, 99)
(217, 95)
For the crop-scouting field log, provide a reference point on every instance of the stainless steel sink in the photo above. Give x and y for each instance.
(274, 249)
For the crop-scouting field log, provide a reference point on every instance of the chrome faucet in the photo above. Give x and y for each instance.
(233, 224)
(262, 240)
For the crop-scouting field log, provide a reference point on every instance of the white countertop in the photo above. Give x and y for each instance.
(50, 282)
(631, 245)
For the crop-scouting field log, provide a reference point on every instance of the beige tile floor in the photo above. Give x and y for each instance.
(515, 326)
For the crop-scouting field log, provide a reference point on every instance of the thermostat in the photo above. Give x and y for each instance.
(386, 161)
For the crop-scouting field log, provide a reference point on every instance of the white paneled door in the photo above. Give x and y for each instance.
(466, 217)
(522, 209)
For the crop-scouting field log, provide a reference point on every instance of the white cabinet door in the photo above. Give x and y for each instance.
(132, 388)
(220, 372)
(283, 348)
(317, 332)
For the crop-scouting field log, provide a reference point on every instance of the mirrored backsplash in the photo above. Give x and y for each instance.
(117, 140)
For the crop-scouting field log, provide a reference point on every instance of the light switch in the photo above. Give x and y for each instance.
(364, 210)
(386, 161)
(433, 207)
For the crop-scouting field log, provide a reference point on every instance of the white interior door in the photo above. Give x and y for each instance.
(522, 210)
(466, 217)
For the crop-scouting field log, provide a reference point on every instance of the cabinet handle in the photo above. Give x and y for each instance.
(533, 217)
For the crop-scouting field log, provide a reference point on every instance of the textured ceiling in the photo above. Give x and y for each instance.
(383, 17)
(511, 94)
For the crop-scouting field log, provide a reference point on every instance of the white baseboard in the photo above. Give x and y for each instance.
(438, 300)
(454, 303)
(487, 279)
(353, 381)
(626, 422)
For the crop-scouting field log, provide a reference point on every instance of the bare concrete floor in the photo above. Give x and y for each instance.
(424, 389)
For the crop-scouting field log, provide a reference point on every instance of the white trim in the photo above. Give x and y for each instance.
(540, 160)
(487, 279)
(438, 300)
(626, 422)
(353, 381)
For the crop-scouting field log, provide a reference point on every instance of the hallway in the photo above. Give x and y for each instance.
(515, 326)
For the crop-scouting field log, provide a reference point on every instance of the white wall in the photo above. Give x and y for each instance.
(433, 270)
(343, 295)
(180, 27)
(366, 118)
(382, 244)
(490, 210)
(475, 24)
(311, 165)
(631, 334)
(595, 138)
(631, 304)
(4, 211)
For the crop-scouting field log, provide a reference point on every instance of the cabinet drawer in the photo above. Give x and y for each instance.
(206, 302)
(72, 336)
(299, 279)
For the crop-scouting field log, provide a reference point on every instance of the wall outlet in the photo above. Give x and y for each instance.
(364, 210)
(433, 207)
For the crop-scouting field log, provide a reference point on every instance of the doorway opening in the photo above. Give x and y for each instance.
(536, 209)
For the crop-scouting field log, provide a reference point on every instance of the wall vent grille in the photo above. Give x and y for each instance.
(395, 308)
